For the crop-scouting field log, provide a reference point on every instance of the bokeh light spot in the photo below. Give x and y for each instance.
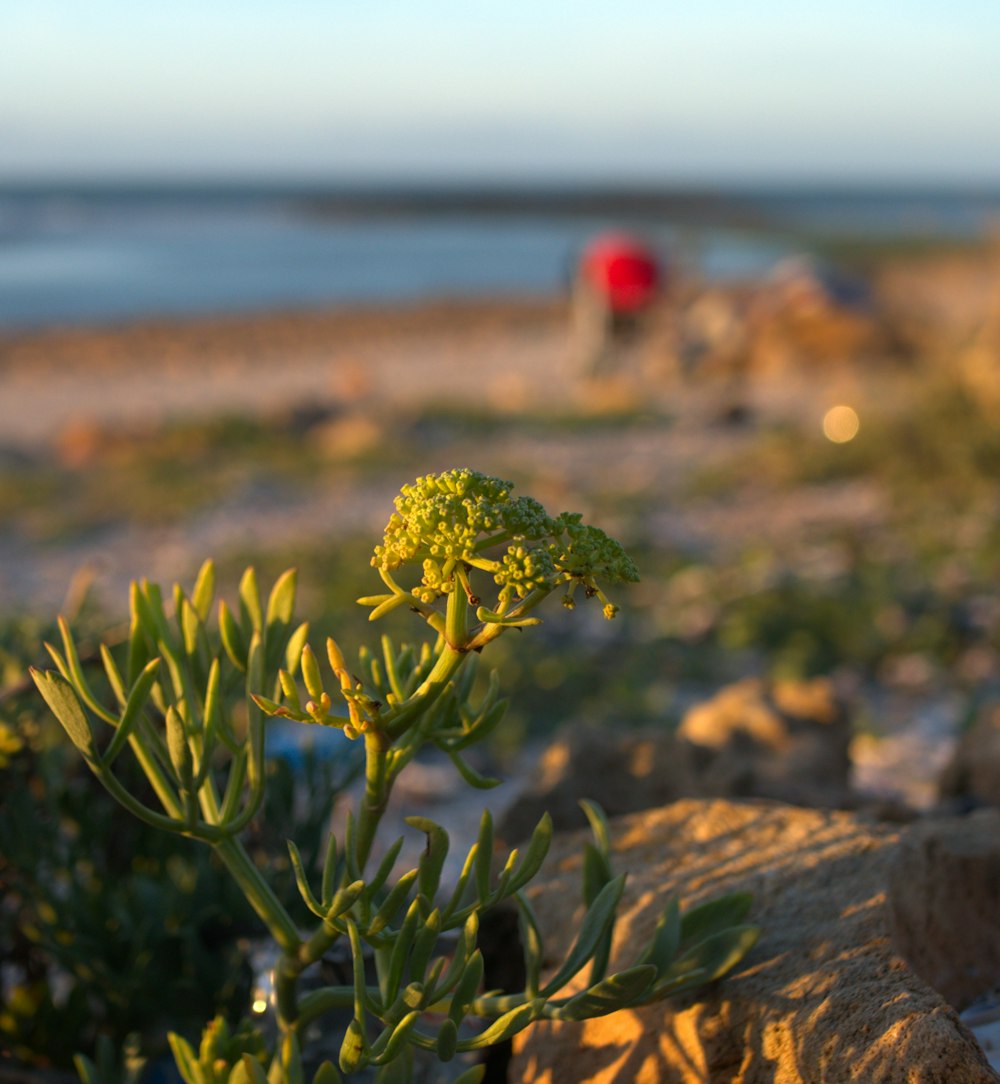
(841, 424)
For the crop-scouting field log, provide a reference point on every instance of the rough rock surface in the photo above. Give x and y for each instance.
(788, 741)
(823, 998)
(944, 902)
(974, 771)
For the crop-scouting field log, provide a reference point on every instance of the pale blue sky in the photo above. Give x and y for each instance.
(626, 90)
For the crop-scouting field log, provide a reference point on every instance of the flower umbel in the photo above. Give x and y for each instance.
(454, 523)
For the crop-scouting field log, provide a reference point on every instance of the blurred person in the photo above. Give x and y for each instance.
(617, 281)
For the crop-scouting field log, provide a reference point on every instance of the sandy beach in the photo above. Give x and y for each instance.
(147, 371)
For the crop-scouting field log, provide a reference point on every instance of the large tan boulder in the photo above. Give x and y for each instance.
(825, 997)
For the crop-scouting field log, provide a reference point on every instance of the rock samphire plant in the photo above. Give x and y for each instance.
(417, 977)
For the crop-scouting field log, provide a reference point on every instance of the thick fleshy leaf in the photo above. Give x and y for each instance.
(72, 670)
(86, 1070)
(61, 698)
(392, 903)
(114, 676)
(467, 988)
(471, 776)
(251, 615)
(433, 857)
(716, 915)
(133, 711)
(302, 881)
(719, 952)
(503, 1028)
(595, 922)
(662, 949)
(484, 855)
(344, 899)
(293, 650)
(596, 873)
(177, 746)
(611, 994)
(352, 1050)
(534, 856)
(186, 1059)
(401, 948)
(204, 590)
(447, 1041)
(474, 1075)
(310, 673)
(233, 639)
(281, 603)
(392, 1046)
(598, 825)
(327, 1074)
(531, 942)
(138, 641)
(424, 944)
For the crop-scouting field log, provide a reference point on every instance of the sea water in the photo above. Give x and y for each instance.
(110, 253)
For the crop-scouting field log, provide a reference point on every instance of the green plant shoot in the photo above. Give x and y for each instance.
(473, 562)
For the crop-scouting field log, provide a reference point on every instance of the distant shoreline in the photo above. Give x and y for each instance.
(751, 205)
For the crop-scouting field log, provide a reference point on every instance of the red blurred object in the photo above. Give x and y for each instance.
(623, 269)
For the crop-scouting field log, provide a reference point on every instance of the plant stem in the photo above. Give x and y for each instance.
(456, 619)
(259, 893)
(376, 793)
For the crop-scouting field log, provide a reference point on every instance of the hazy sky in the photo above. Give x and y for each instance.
(623, 89)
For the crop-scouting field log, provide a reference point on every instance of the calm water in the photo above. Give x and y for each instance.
(116, 253)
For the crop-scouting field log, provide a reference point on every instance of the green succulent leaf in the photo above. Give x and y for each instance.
(613, 993)
(392, 903)
(534, 856)
(595, 923)
(424, 944)
(716, 915)
(666, 939)
(708, 960)
(186, 1059)
(204, 590)
(531, 941)
(352, 1049)
(596, 872)
(435, 853)
(302, 881)
(137, 699)
(65, 706)
(344, 899)
(473, 1075)
(326, 1074)
(233, 639)
(470, 775)
(250, 609)
(396, 1039)
(504, 1027)
(447, 1040)
(281, 603)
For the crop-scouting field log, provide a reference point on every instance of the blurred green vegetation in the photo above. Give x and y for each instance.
(109, 927)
